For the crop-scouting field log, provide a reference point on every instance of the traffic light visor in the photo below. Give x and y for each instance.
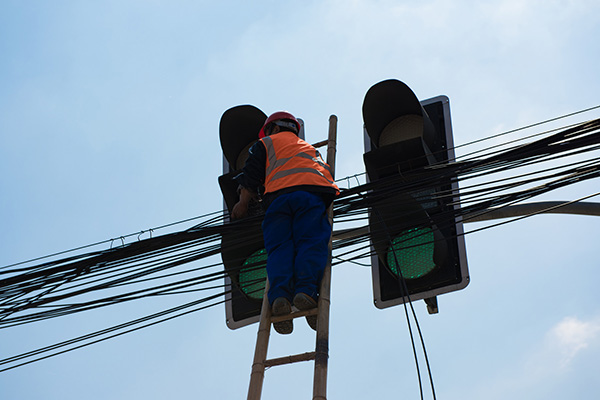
(388, 101)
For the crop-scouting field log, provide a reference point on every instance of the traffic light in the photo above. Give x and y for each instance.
(416, 235)
(242, 247)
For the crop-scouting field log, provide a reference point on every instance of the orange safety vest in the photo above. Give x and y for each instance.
(293, 162)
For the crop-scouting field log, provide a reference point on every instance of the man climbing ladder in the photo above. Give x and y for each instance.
(298, 189)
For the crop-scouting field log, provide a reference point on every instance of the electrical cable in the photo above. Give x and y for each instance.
(109, 240)
(406, 299)
(529, 126)
(166, 265)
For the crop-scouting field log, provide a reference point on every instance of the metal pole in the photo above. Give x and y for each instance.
(527, 209)
(257, 376)
(322, 345)
(520, 210)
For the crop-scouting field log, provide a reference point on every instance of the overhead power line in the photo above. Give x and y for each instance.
(187, 262)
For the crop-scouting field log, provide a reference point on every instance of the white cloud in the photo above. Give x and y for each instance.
(557, 354)
(550, 365)
(571, 336)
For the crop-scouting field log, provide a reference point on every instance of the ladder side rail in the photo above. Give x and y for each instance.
(322, 345)
(257, 376)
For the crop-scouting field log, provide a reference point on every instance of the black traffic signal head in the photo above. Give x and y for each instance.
(242, 246)
(417, 241)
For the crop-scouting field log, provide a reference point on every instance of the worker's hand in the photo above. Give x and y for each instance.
(240, 210)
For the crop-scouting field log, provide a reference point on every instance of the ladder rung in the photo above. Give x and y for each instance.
(295, 314)
(321, 143)
(290, 359)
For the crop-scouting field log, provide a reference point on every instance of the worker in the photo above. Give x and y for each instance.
(298, 188)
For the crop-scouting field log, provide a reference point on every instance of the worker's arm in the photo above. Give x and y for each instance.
(240, 209)
(253, 173)
(251, 179)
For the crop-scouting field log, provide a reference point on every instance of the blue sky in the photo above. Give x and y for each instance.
(109, 116)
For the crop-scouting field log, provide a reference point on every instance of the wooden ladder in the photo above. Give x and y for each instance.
(321, 353)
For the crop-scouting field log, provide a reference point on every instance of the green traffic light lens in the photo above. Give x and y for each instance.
(413, 251)
(253, 274)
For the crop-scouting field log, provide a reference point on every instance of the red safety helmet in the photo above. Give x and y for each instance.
(279, 115)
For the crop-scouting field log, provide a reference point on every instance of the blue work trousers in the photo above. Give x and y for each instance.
(296, 230)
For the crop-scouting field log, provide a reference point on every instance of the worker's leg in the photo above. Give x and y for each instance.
(311, 234)
(277, 232)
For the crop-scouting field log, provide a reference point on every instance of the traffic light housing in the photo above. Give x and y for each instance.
(417, 241)
(242, 247)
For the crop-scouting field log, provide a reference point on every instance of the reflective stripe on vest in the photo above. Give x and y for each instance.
(292, 162)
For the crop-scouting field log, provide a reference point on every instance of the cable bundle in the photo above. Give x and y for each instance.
(180, 263)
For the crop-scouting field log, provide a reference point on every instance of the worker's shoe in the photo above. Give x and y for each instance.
(281, 306)
(304, 302)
